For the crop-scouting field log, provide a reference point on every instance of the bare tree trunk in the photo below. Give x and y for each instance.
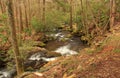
(112, 13)
(86, 17)
(21, 18)
(43, 18)
(26, 15)
(29, 9)
(83, 15)
(39, 3)
(17, 13)
(18, 60)
(2, 6)
(71, 14)
(29, 14)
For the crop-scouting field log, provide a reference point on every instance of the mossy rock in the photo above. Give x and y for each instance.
(39, 44)
(69, 35)
(52, 54)
(64, 39)
(30, 68)
(84, 38)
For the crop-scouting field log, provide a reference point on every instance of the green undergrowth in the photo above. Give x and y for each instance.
(26, 47)
(116, 50)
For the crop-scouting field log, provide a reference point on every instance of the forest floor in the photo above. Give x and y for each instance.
(102, 61)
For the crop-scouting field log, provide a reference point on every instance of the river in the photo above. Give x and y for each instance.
(62, 44)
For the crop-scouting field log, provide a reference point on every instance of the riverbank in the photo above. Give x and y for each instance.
(99, 61)
(39, 51)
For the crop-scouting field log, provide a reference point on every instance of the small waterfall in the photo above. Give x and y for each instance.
(7, 73)
(36, 56)
(49, 59)
(65, 50)
(39, 56)
(4, 74)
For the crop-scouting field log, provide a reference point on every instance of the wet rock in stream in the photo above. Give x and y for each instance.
(8, 73)
(39, 58)
(35, 60)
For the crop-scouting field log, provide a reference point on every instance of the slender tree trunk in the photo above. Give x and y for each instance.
(21, 18)
(43, 18)
(86, 17)
(26, 15)
(2, 6)
(18, 60)
(112, 12)
(29, 9)
(39, 3)
(17, 13)
(71, 14)
(29, 14)
(83, 15)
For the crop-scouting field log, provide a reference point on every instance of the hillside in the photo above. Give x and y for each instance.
(100, 62)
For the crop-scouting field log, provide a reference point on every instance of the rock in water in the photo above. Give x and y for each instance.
(7, 74)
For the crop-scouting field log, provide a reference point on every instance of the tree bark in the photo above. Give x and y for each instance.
(83, 15)
(21, 18)
(43, 18)
(26, 15)
(2, 5)
(18, 59)
(16, 15)
(39, 9)
(29, 10)
(112, 13)
(71, 14)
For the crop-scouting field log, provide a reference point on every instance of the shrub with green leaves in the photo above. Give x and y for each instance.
(54, 19)
(3, 16)
(3, 39)
(37, 25)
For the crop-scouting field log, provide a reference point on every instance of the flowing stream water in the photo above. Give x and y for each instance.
(71, 46)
